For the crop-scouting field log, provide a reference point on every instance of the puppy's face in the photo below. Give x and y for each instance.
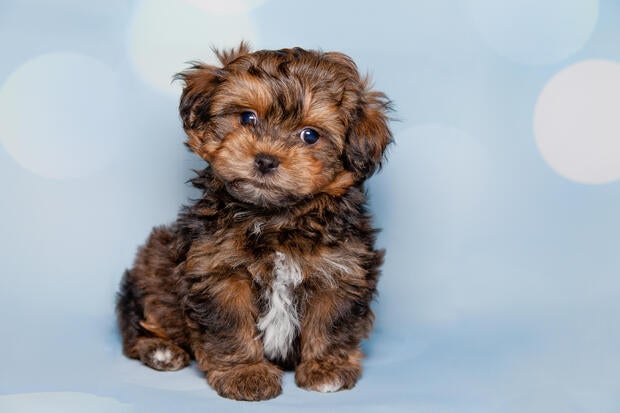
(278, 127)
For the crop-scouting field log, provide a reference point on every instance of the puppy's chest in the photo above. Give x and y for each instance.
(279, 259)
(279, 322)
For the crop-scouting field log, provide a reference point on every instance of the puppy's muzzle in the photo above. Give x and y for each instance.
(266, 163)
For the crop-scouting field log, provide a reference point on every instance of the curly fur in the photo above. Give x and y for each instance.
(266, 271)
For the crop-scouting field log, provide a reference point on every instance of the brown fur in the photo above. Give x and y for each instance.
(199, 286)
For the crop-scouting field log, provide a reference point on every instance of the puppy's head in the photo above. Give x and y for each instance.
(280, 126)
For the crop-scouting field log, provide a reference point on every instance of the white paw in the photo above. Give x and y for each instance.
(166, 359)
(162, 355)
(329, 387)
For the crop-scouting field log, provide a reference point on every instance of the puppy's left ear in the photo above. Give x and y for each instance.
(369, 134)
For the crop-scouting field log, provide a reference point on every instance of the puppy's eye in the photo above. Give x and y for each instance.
(309, 136)
(248, 118)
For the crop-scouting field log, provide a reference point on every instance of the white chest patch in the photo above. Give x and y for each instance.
(280, 323)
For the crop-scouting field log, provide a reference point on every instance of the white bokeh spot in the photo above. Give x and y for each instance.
(164, 35)
(61, 115)
(577, 122)
(534, 31)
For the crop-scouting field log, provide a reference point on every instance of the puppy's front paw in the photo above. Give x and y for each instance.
(252, 382)
(327, 376)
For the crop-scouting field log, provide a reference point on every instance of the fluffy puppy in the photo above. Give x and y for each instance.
(274, 267)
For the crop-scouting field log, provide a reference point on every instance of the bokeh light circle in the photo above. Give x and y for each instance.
(164, 35)
(577, 122)
(61, 115)
(533, 31)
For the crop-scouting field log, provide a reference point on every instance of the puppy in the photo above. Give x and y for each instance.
(274, 267)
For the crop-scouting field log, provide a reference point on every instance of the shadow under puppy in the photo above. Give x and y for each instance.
(274, 267)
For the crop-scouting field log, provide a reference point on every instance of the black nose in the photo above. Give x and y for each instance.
(266, 163)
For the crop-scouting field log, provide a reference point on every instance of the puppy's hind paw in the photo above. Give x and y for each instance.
(161, 354)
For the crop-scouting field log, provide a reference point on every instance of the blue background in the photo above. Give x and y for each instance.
(500, 292)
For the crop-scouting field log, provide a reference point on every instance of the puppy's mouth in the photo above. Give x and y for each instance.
(261, 193)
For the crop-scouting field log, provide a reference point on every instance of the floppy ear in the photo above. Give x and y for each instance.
(200, 82)
(368, 135)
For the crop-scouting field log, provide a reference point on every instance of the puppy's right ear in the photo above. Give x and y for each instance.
(200, 81)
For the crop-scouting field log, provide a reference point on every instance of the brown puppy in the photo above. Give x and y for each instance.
(274, 267)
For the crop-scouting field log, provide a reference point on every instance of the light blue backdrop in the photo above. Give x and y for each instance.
(499, 204)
